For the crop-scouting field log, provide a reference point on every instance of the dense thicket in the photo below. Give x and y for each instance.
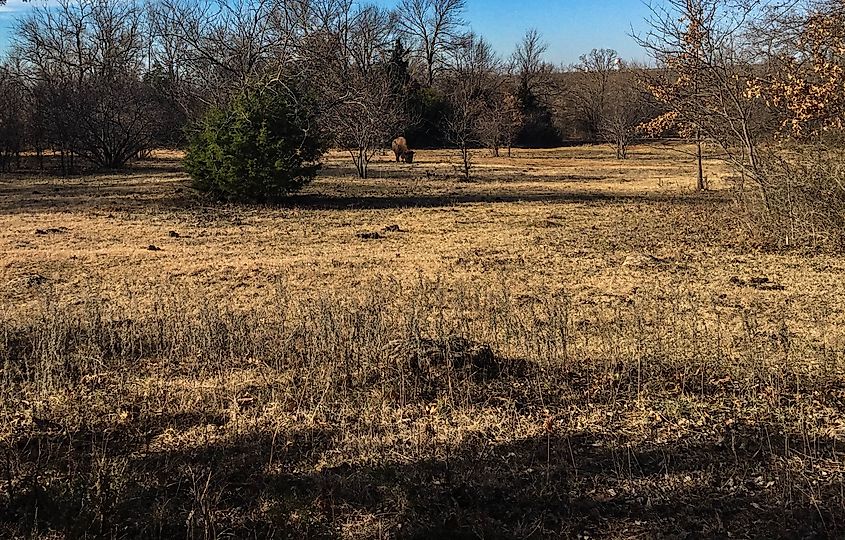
(85, 90)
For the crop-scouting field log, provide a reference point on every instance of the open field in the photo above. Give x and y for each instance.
(568, 345)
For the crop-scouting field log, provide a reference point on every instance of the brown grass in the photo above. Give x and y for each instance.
(568, 345)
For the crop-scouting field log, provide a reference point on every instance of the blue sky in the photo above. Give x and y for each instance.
(7, 16)
(571, 27)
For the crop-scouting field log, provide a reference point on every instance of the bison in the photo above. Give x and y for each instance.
(400, 148)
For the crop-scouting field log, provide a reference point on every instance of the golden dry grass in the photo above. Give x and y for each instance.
(563, 218)
(567, 345)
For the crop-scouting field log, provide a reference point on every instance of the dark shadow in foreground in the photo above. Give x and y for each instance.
(738, 485)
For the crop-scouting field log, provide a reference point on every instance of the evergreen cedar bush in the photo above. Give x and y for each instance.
(260, 148)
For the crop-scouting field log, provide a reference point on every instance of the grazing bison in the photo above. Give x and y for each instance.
(400, 148)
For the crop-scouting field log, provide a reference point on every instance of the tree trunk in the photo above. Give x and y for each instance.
(361, 162)
(621, 149)
(467, 164)
(700, 181)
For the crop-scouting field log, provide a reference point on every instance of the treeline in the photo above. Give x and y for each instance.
(103, 81)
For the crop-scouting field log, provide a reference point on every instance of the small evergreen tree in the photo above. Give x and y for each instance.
(262, 147)
(398, 67)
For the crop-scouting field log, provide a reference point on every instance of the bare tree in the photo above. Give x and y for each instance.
(472, 85)
(708, 59)
(214, 48)
(433, 27)
(535, 77)
(626, 106)
(591, 95)
(368, 108)
(87, 58)
(538, 88)
(370, 116)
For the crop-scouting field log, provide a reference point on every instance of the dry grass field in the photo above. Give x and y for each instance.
(567, 346)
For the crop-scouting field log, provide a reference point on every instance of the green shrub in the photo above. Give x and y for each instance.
(262, 147)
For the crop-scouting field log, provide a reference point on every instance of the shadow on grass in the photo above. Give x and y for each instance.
(70, 198)
(275, 485)
(160, 185)
(370, 202)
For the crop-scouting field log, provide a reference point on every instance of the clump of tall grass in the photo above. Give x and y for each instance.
(390, 333)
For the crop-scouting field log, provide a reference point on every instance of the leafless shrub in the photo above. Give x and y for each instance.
(806, 200)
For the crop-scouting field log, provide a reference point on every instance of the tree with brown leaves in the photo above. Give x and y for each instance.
(806, 79)
(707, 61)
